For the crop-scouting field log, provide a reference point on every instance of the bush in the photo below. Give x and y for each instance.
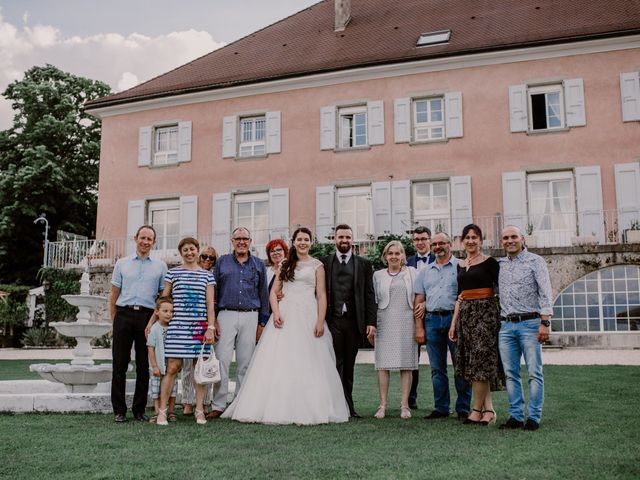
(59, 282)
(319, 250)
(374, 254)
(39, 337)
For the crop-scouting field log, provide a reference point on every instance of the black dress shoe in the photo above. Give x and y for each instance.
(436, 414)
(462, 416)
(511, 424)
(141, 417)
(120, 418)
(413, 406)
(355, 415)
(531, 425)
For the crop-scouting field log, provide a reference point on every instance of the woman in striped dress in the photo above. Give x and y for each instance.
(193, 322)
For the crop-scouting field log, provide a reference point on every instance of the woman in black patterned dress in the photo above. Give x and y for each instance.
(475, 326)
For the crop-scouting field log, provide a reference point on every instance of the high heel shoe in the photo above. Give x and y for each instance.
(381, 411)
(405, 413)
(200, 418)
(162, 417)
(468, 421)
(494, 417)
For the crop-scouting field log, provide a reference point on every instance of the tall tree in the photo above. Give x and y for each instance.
(48, 164)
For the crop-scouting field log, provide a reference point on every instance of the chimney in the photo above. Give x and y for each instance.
(343, 14)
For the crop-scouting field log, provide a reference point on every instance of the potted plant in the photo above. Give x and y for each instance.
(632, 234)
(585, 239)
(530, 240)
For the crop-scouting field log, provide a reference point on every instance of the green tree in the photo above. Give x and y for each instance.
(48, 164)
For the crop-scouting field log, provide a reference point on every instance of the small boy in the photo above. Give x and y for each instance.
(157, 363)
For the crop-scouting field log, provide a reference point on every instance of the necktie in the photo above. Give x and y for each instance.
(344, 259)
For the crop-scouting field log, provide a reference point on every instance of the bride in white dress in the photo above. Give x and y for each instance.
(292, 377)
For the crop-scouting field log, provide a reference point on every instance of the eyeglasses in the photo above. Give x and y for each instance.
(439, 244)
(241, 239)
(211, 258)
(276, 250)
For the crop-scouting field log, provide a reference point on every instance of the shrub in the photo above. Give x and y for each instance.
(39, 337)
(374, 254)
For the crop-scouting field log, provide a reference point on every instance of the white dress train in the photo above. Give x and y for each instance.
(292, 377)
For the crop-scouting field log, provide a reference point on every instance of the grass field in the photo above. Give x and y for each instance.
(590, 429)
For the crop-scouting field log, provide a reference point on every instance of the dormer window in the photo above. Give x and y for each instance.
(433, 38)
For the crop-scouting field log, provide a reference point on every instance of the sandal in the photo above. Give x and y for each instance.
(200, 418)
(172, 417)
(405, 413)
(494, 417)
(153, 419)
(162, 417)
(468, 421)
(381, 411)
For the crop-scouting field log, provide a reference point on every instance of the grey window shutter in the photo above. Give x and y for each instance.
(589, 199)
(630, 96)
(574, 102)
(144, 146)
(328, 128)
(381, 198)
(184, 141)
(518, 119)
(627, 177)
(453, 112)
(135, 219)
(461, 212)
(189, 216)
(325, 213)
(229, 135)
(221, 222)
(400, 206)
(273, 132)
(375, 122)
(402, 120)
(279, 213)
(514, 199)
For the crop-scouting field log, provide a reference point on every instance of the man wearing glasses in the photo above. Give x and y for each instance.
(243, 304)
(437, 284)
(422, 242)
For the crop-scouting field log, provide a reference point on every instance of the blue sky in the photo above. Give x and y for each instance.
(122, 42)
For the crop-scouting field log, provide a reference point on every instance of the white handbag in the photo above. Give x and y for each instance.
(207, 370)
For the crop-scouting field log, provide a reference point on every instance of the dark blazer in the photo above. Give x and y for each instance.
(365, 297)
(412, 261)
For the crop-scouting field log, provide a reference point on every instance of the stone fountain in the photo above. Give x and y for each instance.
(82, 375)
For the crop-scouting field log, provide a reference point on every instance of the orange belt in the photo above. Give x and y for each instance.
(477, 293)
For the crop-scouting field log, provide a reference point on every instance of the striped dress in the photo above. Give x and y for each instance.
(189, 323)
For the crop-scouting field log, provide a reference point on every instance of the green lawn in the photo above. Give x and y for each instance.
(590, 429)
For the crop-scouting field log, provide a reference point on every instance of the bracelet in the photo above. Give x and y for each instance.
(211, 327)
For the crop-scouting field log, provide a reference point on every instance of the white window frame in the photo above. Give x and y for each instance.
(546, 90)
(260, 236)
(165, 154)
(432, 217)
(165, 205)
(360, 234)
(252, 146)
(423, 131)
(347, 127)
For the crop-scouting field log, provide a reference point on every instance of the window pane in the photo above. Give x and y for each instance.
(538, 111)
(260, 124)
(421, 111)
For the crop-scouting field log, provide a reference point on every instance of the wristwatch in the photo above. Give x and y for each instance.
(545, 323)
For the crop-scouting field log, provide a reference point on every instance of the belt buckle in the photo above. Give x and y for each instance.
(136, 307)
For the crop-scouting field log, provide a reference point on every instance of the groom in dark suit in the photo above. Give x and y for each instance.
(351, 308)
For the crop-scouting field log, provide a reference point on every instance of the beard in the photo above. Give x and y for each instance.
(343, 248)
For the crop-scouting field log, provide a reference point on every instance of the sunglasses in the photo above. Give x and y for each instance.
(211, 258)
(277, 250)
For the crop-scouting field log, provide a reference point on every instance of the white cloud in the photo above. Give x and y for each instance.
(120, 61)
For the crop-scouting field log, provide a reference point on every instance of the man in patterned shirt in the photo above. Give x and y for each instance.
(525, 307)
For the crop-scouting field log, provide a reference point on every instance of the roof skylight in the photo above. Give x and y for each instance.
(433, 38)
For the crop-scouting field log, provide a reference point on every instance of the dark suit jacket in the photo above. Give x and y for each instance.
(412, 261)
(365, 298)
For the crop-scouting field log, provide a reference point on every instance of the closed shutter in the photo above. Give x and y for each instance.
(229, 133)
(627, 194)
(518, 120)
(328, 128)
(402, 120)
(144, 146)
(381, 198)
(589, 199)
(461, 213)
(273, 132)
(279, 213)
(574, 102)
(630, 96)
(453, 111)
(189, 216)
(135, 219)
(514, 199)
(325, 199)
(400, 206)
(375, 122)
(184, 141)
(221, 222)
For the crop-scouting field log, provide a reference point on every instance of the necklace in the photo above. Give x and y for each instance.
(393, 274)
(469, 260)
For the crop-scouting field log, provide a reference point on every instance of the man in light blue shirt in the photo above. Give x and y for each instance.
(437, 283)
(526, 304)
(135, 284)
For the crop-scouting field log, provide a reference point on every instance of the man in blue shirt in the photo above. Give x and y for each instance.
(438, 285)
(526, 304)
(135, 284)
(242, 308)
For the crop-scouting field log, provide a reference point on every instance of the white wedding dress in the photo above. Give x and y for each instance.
(292, 377)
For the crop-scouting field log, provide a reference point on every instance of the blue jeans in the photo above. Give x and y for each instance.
(517, 339)
(437, 331)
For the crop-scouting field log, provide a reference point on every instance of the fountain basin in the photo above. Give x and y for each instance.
(77, 378)
(81, 300)
(75, 329)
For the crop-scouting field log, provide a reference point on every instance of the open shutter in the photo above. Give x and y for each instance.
(514, 199)
(184, 141)
(229, 132)
(402, 120)
(221, 222)
(328, 128)
(279, 213)
(461, 214)
(630, 96)
(381, 197)
(589, 198)
(144, 146)
(574, 102)
(518, 119)
(627, 194)
(375, 122)
(135, 219)
(273, 132)
(189, 216)
(325, 198)
(400, 206)
(453, 111)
